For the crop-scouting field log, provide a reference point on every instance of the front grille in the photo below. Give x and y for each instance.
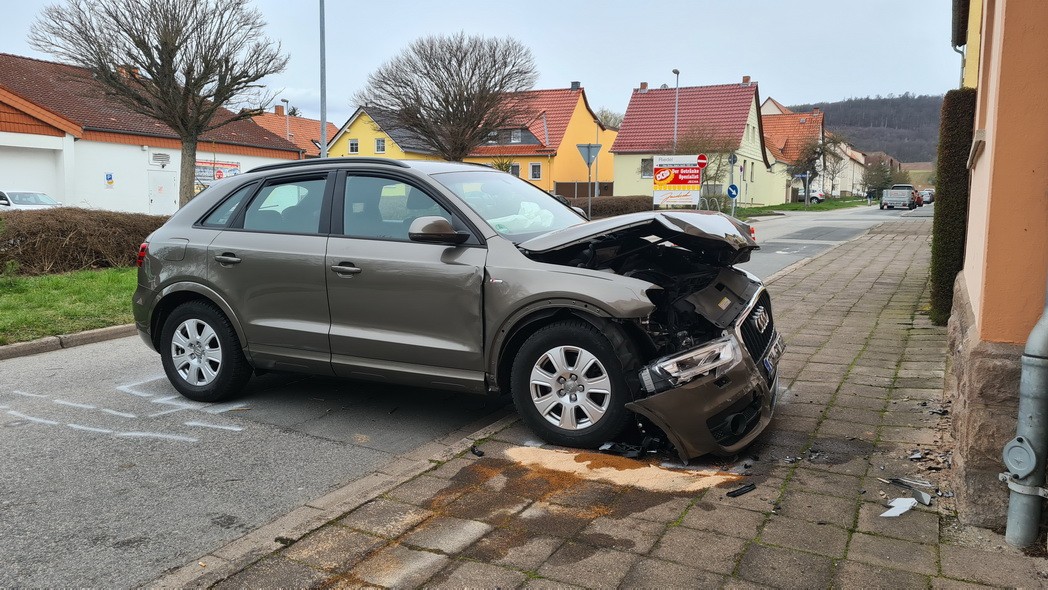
(749, 412)
(757, 341)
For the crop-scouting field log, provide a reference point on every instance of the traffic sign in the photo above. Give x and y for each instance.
(589, 151)
(702, 161)
(732, 158)
(733, 191)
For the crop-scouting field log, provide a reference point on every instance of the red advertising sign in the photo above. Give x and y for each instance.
(678, 176)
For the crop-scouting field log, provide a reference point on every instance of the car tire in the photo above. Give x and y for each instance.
(567, 355)
(882, 206)
(201, 353)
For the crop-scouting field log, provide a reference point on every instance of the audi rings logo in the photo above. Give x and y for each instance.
(760, 319)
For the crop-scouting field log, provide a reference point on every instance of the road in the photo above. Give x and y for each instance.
(110, 478)
(786, 239)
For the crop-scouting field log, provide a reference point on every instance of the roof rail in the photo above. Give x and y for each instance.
(319, 161)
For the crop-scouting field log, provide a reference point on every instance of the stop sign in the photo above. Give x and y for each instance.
(702, 161)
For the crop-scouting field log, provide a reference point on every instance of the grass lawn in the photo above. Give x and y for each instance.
(744, 212)
(34, 307)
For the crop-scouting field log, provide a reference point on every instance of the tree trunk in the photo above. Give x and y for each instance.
(187, 173)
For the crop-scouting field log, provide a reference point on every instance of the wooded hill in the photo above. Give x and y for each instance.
(905, 126)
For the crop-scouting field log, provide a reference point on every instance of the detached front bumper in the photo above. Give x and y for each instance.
(721, 412)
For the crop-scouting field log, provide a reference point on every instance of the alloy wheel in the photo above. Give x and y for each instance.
(570, 388)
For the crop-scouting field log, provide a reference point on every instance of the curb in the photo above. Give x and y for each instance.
(299, 522)
(52, 343)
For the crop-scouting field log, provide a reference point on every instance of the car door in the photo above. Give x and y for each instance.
(269, 266)
(402, 311)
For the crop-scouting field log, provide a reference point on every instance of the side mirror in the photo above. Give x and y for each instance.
(4, 201)
(435, 230)
(581, 212)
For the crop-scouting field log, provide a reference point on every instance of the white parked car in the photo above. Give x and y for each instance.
(816, 195)
(25, 200)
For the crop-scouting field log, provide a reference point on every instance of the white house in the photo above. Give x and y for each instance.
(60, 134)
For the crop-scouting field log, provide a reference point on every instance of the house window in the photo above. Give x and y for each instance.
(514, 136)
(536, 171)
(514, 169)
(751, 172)
(493, 137)
(380, 145)
(647, 168)
(354, 146)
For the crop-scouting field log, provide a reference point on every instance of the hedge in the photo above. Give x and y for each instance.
(950, 224)
(66, 239)
(609, 206)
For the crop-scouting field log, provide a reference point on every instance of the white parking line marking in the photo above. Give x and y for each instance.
(32, 418)
(155, 435)
(218, 426)
(172, 411)
(121, 414)
(4, 407)
(26, 394)
(131, 387)
(90, 428)
(73, 404)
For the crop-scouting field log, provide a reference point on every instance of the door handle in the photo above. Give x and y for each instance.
(346, 269)
(227, 258)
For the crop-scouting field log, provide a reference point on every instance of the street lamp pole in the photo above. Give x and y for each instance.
(323, 87)
(287, 119)
(676, 105)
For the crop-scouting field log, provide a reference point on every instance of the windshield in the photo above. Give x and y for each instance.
(31, 199)
(511, 206)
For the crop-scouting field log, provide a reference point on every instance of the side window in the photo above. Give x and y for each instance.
(354, 146)
(536, 171)
(514, 169)
(228, 209)
(383, 208)
(647, 168)
(292, 206)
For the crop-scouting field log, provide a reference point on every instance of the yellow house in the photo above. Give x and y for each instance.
(542, 145)
(725, 118)
(365, 134)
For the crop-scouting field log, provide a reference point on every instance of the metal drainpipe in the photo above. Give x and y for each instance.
(1024, 456)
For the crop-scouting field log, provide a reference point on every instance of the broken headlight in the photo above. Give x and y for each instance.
(674, 370)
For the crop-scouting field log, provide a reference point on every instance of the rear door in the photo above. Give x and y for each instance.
(401, 310)
(269, 265)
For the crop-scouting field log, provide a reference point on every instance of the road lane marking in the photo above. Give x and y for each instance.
(32, 418)
(155, 435)
(116, 413)
(90, 428)
(63, 402)
(218, 426)
(27, 394)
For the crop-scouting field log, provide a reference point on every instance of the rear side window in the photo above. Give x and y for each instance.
(228, 209)
(292, 206)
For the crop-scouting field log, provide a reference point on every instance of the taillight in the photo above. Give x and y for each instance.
(753, 235)
(142, 250)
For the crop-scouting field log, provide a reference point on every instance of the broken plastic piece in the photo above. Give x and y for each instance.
(473, 449)
(922, 497)
(740, 491)
(916, 455)
(899, 506)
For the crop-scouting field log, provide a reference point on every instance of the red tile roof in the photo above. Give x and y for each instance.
(303, 131)
(548, 113)
(69, 92)
(787, 134)
(647, 127)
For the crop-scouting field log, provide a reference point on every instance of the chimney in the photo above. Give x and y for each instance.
(643, 86)
(745, 80)
(279, 109)
(575, 85)
(815, 110)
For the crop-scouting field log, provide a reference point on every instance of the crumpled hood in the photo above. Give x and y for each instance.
(722, 238)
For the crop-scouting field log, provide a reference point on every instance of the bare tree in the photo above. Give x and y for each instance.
(703, 140)
(452, 91)
(609, 118)
(193, 65)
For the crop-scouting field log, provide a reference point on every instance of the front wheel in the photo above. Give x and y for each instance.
(568, 384)
(201, 353)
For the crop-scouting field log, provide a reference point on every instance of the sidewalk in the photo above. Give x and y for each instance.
(864, 370)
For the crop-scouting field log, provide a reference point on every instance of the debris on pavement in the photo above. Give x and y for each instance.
(922, 497)
(473, 449)
(899, 506)
(740, 491)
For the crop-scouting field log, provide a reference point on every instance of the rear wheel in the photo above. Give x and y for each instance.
(568, 384)
(201, 353)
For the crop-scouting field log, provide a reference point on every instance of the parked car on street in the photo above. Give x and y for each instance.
(928, 195)
(900, 195)
(460, 277)
(12, 200)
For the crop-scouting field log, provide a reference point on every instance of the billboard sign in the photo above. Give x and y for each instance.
(677, 180)
(208, 171)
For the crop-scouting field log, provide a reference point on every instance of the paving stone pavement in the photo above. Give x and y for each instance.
(862, 374)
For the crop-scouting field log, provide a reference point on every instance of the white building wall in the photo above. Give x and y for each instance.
(32, 169)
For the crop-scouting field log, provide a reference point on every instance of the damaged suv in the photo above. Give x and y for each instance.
(460, 277)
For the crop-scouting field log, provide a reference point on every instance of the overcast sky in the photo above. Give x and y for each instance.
(798, 51)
